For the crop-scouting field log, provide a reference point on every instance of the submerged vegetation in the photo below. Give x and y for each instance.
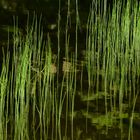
(44, 95)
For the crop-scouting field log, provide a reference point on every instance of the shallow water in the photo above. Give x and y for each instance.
(91, 121)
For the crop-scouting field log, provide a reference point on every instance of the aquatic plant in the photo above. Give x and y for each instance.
(112, 49)
(39, 99)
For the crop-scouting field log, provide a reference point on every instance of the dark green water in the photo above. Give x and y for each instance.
(96, 119)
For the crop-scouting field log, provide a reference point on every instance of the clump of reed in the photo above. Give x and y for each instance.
(33, 102)
(113, 54)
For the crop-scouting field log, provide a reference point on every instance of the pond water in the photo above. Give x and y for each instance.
(96, 114)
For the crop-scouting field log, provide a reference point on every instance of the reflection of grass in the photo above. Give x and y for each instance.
(36, 104)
